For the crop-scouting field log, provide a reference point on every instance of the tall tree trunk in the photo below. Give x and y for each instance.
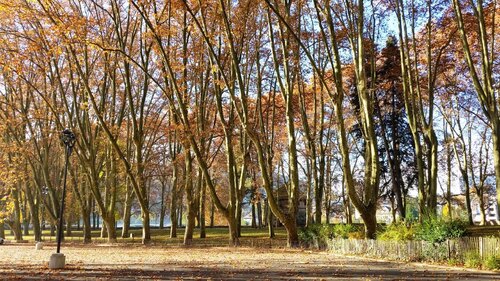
(16, 224)
(190, 198)
(259, 213)
(254, 219)
(94, 215)
(233, 233)
(104, 228)
(309, 175)
(146, 227)
(110, 227)
(52, 229)
(68, 227)
(270, 221)
(482, 209)
(35, 217)
(203, 233)
(496, 161)
(173, 203)
(432, 151)
(2, 229)
(26, 220)
(162, 205)
(127, 210)
(87, 229)
(212, 214)
(448, 183)
(238, 210)
(320, 188)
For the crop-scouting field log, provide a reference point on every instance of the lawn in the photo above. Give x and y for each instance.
(217, 236)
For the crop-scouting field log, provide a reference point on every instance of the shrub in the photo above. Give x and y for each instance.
(307, 235)
(396, 232)
(492, 262)
(344, 230)
(356, 235)
(316, 235)
(472, 259)
(436, 230)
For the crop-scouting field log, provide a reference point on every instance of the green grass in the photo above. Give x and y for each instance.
(214, 236)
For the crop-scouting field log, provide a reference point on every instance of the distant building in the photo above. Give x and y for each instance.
(384, 213)
(491, 212)
(282, 198)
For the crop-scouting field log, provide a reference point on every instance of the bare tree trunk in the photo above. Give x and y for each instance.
(212, 214)
(16, 224)
(127, 210)
(482, 210)
(162, 205)
(448, 183)
(270, 221)
(203, 233)
(2, 229)
(254, 219)
(259, 213)
(68, 227)
(190, 199)
(87, 230)
(496, 162)
(146, 228)
(34, 211)
(173, 203)
(238, 216)
(24, 212)
(104, 230)
(309, 217)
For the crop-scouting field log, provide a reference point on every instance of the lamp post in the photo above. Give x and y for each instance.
(68, 139)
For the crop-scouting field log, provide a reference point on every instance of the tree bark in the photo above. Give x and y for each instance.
(173, 202)
(87, 229)
(35, 216)
(16, 224)
(127, 210)
(203, 233)
(2, 229)
(190, 198)
(496, 161)
(254, 219)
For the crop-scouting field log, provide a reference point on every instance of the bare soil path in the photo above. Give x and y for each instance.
(23, 262)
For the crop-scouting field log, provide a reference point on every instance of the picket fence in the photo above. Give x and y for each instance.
(417, 250)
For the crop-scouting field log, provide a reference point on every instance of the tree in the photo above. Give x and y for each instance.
(478, 22)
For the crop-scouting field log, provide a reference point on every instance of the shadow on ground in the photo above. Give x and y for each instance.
(372, 271)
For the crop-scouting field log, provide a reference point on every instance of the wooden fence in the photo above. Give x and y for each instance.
(417, 250)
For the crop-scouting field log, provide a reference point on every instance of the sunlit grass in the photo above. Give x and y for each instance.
(214, 236)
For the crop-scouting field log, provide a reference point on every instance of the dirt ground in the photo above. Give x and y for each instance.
(102, 262)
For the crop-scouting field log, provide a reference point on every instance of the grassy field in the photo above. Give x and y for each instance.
(217, 236)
